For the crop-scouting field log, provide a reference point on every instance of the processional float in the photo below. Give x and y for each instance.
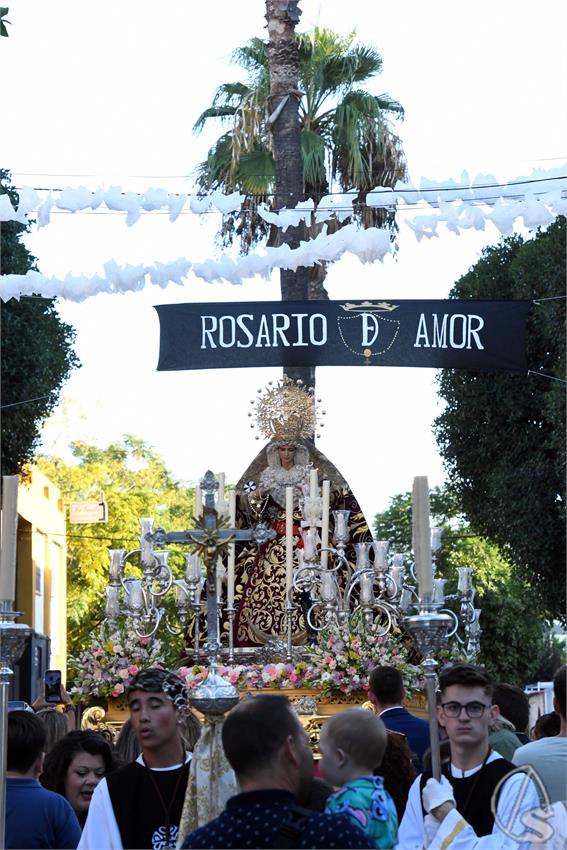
(378, 587)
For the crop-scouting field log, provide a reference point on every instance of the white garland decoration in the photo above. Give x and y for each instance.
(455, 205)
(368, 245)
(484, 188)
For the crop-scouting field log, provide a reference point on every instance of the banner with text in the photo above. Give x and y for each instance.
(453, 334)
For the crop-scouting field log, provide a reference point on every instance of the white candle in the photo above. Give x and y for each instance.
(220, 567)
(9, 543)
(221, 487)
(231, 551)
(314, 483)
(288, 538)
(147, 558)
(325, 524)
(198, 502)
(421, 536)
(310, 544)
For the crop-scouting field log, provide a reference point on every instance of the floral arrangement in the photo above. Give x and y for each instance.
(107, 666)
(278, 675)
(344, 659)
(338, 665)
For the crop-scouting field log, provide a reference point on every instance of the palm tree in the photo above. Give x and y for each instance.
(347, 140)
(282, 53)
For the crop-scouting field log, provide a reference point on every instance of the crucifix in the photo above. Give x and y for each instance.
(211, 537)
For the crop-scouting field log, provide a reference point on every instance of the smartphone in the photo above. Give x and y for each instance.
(53, 686)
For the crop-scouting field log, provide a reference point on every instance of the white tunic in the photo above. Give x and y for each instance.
(454, 833)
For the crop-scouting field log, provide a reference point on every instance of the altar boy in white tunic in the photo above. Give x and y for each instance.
(140, 805)
(480, 802)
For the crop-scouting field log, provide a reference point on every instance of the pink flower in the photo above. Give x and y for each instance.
(118, 689)
(133, 669)
(98, 652)
(123, 673)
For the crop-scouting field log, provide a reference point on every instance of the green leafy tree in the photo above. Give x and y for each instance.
(502, 434)
(136, 484)
(347, 139)
(4, 20)
(510, 653)
(37, 353)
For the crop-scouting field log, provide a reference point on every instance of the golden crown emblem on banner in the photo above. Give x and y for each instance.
(369, 307)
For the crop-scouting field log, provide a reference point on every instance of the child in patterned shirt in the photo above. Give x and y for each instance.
(352, 745)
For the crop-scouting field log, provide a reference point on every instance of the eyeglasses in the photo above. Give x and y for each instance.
(473, 709)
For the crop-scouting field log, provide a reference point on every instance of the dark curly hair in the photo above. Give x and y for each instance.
(57, 761)
(397, 770)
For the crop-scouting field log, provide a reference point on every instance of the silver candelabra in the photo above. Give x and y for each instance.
(140, 598)
(380, 589)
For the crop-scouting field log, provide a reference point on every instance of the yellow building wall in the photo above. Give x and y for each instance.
(41, 571)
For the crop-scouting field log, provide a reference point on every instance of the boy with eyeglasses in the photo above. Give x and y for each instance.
(474, 806)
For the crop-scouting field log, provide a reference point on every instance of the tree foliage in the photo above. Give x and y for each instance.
(136, 484)
(37, 353)
(509, 651)
(347, 138)
(502, 435)
(3, 21)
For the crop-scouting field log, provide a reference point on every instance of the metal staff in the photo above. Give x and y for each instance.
(429, 629)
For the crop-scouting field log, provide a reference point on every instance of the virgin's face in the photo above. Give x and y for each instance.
(287, 454)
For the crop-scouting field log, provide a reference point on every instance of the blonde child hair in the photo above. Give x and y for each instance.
(360, 734)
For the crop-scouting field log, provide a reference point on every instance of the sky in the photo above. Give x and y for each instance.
(106, 93)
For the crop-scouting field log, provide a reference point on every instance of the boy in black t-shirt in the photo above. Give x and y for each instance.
(140, 805)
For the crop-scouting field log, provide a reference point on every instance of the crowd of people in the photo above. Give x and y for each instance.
(371, 785)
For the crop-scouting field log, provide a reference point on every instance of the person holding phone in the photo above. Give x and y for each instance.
(54, 696)
(52, 686)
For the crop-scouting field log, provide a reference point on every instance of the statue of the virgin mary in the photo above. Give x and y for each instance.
(287, 414)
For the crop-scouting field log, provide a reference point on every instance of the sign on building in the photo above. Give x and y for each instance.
(87, 512)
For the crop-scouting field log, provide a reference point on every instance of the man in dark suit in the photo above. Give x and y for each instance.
(386, 692)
